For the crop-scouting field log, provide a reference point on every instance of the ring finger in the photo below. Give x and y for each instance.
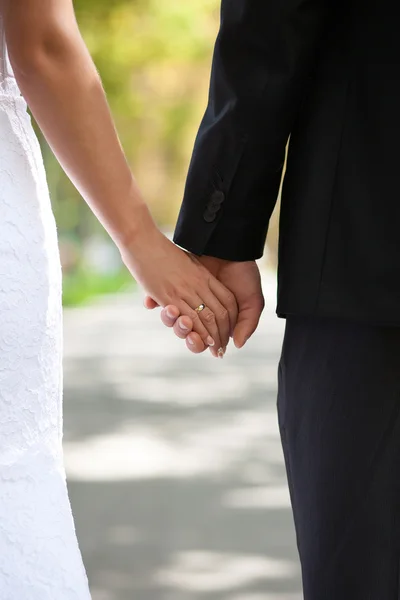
(204, 323)
(215, 318)
(219, 315)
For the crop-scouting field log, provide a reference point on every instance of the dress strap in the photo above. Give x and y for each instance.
(8, 85)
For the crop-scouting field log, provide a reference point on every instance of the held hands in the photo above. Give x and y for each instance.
(173, 277)
(243, 280)
(179, 282)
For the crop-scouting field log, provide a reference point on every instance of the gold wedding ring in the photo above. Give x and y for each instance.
(200, 308)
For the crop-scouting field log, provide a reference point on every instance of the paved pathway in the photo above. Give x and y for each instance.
(174, 461)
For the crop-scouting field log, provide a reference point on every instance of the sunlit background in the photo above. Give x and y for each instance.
(174, 461)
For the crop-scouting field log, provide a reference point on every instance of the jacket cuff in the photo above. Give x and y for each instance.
(226, 214)
(238, 245)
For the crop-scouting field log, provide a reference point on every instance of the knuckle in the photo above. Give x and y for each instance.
(230, 299)
(223, 314)
(194, 316)
(209, 317)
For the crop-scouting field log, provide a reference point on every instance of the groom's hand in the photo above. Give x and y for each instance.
(243, 280)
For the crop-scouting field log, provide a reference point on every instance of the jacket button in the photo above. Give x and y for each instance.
(217, 197)
(213, 205)
(209, 216)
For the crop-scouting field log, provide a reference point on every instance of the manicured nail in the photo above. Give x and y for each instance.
(182, 326)
(210, 341)
(170, 314)
(221, 352)
(190, 341)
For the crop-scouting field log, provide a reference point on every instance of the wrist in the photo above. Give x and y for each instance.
(213, 263)
(137, 231)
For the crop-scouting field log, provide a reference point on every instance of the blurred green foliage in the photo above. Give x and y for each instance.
(82, 284)
(154, 59)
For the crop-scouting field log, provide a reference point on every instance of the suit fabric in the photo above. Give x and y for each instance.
(325, 76)
(324, 73)
(339, 420)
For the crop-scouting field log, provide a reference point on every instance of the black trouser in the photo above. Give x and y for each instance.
(339, 418)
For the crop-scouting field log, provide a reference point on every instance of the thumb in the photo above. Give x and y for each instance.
(149, 303)
(248, 319)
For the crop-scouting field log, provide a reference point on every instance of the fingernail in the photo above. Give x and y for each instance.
(190, 341)
(182, 326)
(170, 314)
(221, 352)
(210, 341)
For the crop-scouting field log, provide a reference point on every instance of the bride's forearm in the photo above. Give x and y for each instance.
(62, 87)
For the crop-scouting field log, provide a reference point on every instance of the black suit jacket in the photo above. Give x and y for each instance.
(327, 74)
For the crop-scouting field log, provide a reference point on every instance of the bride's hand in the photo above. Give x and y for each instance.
(173, 276)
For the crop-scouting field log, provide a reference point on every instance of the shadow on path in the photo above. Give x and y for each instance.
(174, 461)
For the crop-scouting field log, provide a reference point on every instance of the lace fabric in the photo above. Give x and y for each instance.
(40, 557)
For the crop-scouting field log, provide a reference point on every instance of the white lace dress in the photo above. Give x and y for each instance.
(39, 553)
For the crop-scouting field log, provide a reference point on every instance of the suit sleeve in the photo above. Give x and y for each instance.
(263, 55)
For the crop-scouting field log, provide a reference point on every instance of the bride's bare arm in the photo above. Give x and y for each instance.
(62, 87)
(59, 80)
